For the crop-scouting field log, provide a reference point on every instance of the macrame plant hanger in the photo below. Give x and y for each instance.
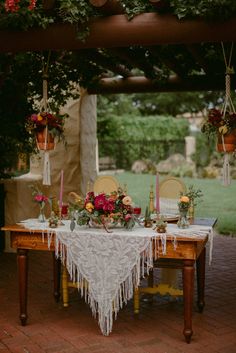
(228, 104)
(44, 107)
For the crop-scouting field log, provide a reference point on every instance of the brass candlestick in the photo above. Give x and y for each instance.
(60, 223)
(151, 200)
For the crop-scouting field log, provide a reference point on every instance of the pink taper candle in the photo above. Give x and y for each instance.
(61, 189)
(157, 194)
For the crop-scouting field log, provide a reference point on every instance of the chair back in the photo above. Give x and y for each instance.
(105, 184)
(169, 193)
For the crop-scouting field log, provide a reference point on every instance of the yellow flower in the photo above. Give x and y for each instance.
(184, 199)
(223, 129)
(127, 201)
(89, 207)
(39, 117)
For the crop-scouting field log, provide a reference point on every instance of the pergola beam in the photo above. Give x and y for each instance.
(117, 31)
(141, 84)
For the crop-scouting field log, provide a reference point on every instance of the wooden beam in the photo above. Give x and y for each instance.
(170, 62)
(195, 52)
(106, 63)
(116, 31)
(136, 59)
(140, 84)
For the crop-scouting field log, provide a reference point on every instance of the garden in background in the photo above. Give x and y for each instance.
(217, 200)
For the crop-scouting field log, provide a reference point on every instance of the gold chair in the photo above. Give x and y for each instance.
(106, 184)
(169, 191)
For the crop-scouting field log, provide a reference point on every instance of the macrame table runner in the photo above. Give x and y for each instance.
(113, 263)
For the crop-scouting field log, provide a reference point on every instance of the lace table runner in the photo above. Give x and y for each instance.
(111, 263)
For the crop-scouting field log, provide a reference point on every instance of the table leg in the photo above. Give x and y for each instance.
(188, 288)
(56, 276)
(201, 261)
(22, 264)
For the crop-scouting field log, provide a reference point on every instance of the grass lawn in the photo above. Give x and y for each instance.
(218, 201)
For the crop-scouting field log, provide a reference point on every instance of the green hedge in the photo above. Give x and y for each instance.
(129, 137)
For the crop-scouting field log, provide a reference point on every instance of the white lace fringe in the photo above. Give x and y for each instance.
(113, 305)
(46, 169)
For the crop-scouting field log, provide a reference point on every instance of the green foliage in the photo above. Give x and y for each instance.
(203, 155)
(127, 137)
(209, 9)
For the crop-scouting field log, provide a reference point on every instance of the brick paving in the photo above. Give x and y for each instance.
(53, 329)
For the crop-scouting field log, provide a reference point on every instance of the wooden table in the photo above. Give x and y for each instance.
(24, 240)
(188, 252)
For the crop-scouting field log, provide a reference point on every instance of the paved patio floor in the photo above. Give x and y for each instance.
(51, 328)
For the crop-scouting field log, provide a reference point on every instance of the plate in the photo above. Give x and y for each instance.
(106, 184)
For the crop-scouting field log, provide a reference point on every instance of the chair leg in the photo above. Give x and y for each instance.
(65, 295)
(136, 301)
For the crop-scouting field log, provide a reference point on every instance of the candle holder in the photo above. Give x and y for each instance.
(60, 223)
(151, 200)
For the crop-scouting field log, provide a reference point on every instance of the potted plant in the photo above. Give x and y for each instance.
(223, 126)
(46, 127)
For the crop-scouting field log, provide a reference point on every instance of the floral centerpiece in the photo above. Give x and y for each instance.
(107, 210)
(183, 204)
(194, 196)
(219, 123)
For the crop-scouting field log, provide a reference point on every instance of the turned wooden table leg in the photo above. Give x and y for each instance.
(188, 288)
(22, 264)
(201, 280)
(56, 276)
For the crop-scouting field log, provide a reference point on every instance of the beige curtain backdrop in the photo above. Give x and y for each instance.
(77, 160)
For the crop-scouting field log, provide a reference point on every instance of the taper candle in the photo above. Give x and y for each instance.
(61, 189)
(157, 194)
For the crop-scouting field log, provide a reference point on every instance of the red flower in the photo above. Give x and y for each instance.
(100, 201)
(109, 206)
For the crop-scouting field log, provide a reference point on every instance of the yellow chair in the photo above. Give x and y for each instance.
(106, 184)
(169, 191)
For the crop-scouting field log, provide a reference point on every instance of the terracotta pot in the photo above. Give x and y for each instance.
(229, 142)
(45, 141)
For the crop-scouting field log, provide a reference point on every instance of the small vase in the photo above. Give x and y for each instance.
(183, 219)
(41, 217)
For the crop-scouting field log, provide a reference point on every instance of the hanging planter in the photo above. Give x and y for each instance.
(45, 141)
(222, 123)
(46, 127)
(227, 142)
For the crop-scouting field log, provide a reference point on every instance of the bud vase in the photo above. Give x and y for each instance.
(41, 217)
(183, 219)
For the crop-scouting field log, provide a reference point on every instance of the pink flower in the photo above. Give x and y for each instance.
(40, 198)
(127, 200)
(109, 206)
(128, 217)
